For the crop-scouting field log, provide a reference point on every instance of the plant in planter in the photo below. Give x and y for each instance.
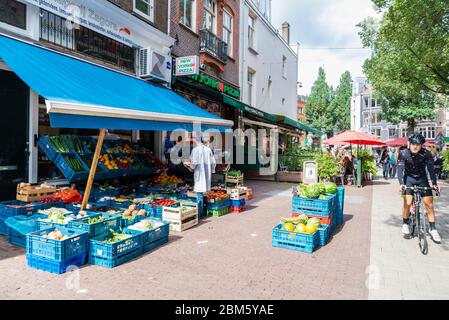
(296, 155)
(328, 167)
(445, 156)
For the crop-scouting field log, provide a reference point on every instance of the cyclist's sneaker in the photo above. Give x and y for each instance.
(405, 229)
(435, 235)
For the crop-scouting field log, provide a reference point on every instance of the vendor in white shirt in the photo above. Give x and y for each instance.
(202, 162)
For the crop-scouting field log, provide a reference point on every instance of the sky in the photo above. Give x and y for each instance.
(324, 24)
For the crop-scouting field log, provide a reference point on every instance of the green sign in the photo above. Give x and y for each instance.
(217, 85)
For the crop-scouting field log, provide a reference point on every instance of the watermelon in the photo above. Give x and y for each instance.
(330, 188)
(322, 188)
(322, 197)
(315, 221)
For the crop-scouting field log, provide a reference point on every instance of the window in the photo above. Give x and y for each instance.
(392, 133)
(284, 67)
(13, 13)
(373, 103)
(251, 31)
(145, 8)
(188, 13)
(209, 15)
(366, 102)
(377, 132)
(227, 30)
(428, 132)
(250, 86)
(403, 132)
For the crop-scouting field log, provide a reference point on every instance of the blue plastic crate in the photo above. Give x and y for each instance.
(19, 226)
(57, 267)
(8, 209)
(67, 170)
(238, 203)
(324, 233)
(113, 254)
(48, 148)
(210, 206)
(3, 228)
(76, 244)
(41, 225)
(111, 221)
(124, 222)
(294, 240)
(150, 237)
(315, 207)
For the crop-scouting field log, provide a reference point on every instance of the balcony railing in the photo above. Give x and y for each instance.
(210, 43)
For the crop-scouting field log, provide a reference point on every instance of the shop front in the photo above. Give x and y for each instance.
(80, 98)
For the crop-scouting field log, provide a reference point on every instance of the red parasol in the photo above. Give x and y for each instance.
(397, 142)
(354, 137)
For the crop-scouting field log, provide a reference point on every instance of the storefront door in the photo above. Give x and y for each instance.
(14, 97)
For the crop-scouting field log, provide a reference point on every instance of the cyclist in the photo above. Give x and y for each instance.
(412, 165)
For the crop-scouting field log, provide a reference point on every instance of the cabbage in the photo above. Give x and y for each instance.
(322, 188)
(314, 190)
(330, 188)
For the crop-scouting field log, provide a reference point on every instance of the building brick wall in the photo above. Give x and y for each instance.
(160, 12)
(189, 40)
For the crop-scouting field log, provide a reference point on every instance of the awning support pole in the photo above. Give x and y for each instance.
(93, 168)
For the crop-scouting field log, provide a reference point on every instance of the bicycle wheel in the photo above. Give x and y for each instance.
(421, 229)
(412, 225)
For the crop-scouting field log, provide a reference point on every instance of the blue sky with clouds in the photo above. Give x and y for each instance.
(324, 24)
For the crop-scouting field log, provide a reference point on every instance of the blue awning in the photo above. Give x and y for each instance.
(83, 95)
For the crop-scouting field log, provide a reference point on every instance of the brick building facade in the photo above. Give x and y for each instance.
(160, 12)
(188, 38)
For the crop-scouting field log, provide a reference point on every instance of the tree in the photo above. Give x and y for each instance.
(410, 53)
(318, 102)
(410, 44)
(340, 106)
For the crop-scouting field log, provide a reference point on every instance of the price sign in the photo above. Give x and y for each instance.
(310, 172)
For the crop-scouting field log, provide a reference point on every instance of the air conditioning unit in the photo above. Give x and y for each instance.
(154, 65)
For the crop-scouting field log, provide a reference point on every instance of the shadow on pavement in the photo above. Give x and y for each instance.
(8, 250)
(339, 228)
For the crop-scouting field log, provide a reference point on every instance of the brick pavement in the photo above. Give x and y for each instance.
(223, 258)
(399, 270)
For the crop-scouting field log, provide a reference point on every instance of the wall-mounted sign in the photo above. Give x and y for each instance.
(217, 85)
(310, 172)
(186, 66)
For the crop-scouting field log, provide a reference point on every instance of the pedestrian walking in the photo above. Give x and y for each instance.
(385, 161)
(202, 162)
(393, 163)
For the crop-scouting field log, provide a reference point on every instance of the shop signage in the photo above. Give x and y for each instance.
(91, 17)
(186, 66)
(217, 85)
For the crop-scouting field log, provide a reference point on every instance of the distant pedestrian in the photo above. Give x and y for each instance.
(385, 161)
(393, 163)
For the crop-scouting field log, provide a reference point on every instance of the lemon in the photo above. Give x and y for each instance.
(289, 226)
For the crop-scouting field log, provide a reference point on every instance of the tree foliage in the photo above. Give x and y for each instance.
(340, 106)
(318, 102)
(410, 56)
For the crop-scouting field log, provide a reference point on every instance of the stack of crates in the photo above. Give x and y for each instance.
(340, 205)
(16, 208)
(238, 206)
(217, 207)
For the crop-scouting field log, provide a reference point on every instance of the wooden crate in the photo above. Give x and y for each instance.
(180, 226)
(236, 193)
(178, 215)
(234, 180)
(28, 193)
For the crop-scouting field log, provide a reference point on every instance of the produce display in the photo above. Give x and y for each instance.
(95, 220)
(124, 162)
(126, 149)
(58, 218)
(59, 144)
(69, 196)
(51, 199)
(88, 161)
(216, 195)
(53, 211)
(144, 225)
(132, 211)
(164, 179)
(234, 173)
(301, 224)
(317, 190)
(163, 202)
(56, 235)
(116, 237)
(74, 162)
(109, 162)
(74, 143)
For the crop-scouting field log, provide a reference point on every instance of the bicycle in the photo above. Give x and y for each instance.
(417, 218)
